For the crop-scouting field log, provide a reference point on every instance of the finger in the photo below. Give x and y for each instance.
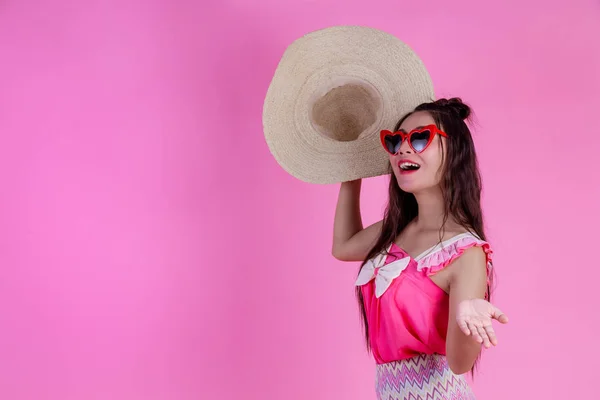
(475, 333)
(499, 315)
(462, 324)
(491, 334)
(484, 336)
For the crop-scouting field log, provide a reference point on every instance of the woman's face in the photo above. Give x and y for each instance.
(429, 161)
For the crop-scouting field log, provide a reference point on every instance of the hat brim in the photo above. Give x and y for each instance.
(317, 62)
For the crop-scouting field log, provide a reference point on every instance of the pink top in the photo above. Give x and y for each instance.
(407, 313)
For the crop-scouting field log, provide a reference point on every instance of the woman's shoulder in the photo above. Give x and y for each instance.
(453, 247)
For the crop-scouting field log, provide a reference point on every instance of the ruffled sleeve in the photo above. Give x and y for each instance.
(442, 255)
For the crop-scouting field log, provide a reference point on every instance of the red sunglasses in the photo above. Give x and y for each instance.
(418, 139)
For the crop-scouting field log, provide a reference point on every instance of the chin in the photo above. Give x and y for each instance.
(408, 185)
(408, 188)
(411, 185)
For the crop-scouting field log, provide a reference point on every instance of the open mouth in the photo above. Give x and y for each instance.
(408, 166)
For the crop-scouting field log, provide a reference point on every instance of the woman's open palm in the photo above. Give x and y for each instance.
(474, 317)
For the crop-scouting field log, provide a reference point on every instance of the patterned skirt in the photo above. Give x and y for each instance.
(424, 377)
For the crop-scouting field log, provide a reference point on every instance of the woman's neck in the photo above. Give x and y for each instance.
(431, 211)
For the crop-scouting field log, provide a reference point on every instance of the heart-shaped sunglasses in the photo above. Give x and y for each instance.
(418, 139)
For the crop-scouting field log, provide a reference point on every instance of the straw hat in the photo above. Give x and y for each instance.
(332, 92)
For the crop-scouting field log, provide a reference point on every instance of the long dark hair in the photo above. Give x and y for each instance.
(460, 184)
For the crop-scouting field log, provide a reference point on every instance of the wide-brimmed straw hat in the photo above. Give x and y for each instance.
(332, 93)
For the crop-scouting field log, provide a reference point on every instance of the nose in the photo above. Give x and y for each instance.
(405, 148)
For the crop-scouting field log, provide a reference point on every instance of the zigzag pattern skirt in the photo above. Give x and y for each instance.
(424, 377)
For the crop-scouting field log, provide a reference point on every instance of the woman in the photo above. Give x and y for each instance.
(423, 289)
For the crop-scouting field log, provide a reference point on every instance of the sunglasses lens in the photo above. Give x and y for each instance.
(419, 140)
(392, 143)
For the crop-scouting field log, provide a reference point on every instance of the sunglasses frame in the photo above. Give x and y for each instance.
(406, 136)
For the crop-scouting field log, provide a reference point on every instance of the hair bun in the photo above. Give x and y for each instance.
(456, 106)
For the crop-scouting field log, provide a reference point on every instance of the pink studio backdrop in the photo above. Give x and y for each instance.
(151, 248)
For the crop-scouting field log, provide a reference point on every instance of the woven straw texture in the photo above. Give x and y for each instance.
(332, 92)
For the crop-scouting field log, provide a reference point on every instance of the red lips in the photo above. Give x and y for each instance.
(407, 171)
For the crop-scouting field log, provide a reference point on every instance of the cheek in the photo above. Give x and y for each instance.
(394, 162)
(432, 154)
(436, 153)
(434, 163)
(437, 161)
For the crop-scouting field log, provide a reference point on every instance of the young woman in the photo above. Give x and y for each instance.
(424, 286)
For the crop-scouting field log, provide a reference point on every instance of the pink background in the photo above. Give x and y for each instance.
(151, 248)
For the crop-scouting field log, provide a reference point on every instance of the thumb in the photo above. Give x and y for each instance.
(499, 315)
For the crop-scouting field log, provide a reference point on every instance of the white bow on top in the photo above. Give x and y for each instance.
(383, 274)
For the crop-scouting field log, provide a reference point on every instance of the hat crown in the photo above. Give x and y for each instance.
(346, 111)
(332, 92)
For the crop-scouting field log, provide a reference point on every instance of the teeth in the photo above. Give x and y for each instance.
(408, 165)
